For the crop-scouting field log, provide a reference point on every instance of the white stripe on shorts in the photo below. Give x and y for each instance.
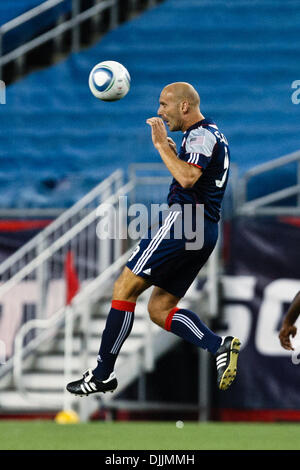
(155, 242)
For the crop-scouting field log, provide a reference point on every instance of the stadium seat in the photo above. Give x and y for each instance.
(9, 10)
(28, 30)
(230, 51)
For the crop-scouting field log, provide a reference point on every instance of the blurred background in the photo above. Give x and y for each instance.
(63, 153)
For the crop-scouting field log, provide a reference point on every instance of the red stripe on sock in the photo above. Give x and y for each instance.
(169, 318)
(123, 305)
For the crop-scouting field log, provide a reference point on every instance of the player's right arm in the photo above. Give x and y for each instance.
(172, 145)
(185, 174)
(288, 325)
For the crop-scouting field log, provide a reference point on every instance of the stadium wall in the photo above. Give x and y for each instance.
(262, 277)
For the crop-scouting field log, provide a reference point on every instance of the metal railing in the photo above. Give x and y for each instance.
(65, 317)
(73, 24)
(82, 217)
(262, 205)
(62, 223)
(92, 290)
(35, 274)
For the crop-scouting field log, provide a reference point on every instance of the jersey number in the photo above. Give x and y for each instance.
(220, 183)
(221, 137)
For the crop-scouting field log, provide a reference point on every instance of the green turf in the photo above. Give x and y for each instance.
(44, 435)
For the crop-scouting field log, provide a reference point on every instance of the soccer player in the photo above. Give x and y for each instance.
(288, 327)
(162, 260)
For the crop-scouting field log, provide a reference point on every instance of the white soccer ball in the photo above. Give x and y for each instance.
(109, 81)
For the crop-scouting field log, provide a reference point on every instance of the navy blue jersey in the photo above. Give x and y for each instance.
(204, 146)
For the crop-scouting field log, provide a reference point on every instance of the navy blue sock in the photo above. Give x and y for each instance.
(118, 327)
(188, 326)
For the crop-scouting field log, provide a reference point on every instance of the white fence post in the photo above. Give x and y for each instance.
(212, 279)
(114, 15)
(86, 316)
(68, 355)
(41, 276)
(105, 244)
(76, 28)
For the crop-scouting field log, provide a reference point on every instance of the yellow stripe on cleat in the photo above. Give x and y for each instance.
(230, 373)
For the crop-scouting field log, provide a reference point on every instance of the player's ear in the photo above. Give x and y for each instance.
(184, 106)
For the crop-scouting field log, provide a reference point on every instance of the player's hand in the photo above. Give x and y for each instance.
(159, 132)
(284, 336)
(172, 145)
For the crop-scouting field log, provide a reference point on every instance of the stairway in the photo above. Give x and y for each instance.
(43, 376)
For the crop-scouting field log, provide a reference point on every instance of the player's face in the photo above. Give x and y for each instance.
(169, 111)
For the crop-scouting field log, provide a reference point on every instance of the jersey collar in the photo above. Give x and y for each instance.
(203, 122)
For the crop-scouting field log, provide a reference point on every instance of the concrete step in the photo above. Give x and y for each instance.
(46, 381)
(131, 345)
(54, 381)
(139, 326)
(55, 363)
(13, 401)
(43, 377)
(45, 391)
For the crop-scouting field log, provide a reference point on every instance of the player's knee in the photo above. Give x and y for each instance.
(129, 286)
(118, 285)
(152, 310)
(156, 314)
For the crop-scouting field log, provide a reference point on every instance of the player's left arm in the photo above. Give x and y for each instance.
(183, 172)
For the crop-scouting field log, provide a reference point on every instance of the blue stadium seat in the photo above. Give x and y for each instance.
(241, 56)
(9, 10)
(28, 30)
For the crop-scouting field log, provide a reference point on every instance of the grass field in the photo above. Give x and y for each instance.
(48, 435)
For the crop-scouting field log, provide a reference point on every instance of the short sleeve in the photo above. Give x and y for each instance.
(199, 147)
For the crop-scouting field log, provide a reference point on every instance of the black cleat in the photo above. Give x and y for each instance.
(226, 361)
(89, 384)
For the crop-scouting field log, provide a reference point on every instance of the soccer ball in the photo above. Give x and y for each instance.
(109, 81)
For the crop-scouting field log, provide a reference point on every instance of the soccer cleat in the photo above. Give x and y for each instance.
(89, 384)
(226, 361)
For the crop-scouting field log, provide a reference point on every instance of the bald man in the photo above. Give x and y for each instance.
(165, 260)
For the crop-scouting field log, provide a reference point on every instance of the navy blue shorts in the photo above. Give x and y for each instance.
(163, 255)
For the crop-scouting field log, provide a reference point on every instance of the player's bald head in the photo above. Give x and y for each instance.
(179, 106)
(183, 91)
